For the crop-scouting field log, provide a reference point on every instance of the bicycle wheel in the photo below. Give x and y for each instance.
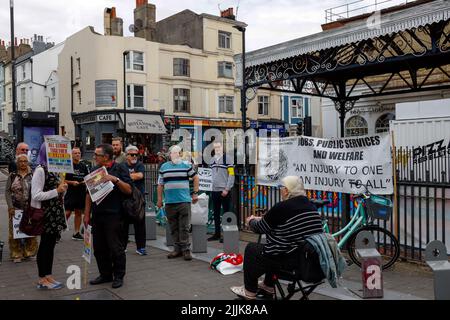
(386, 244)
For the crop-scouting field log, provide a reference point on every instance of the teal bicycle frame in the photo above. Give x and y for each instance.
(359, 218)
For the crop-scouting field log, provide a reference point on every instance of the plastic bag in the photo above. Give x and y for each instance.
(199, 210)
(228, 264)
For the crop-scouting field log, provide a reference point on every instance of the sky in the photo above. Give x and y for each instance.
(269, 21)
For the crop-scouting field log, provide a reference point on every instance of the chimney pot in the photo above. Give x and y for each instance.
(113, 12)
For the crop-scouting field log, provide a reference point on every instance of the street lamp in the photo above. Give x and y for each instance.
(243, 94)
(125, 53)
(13, 71)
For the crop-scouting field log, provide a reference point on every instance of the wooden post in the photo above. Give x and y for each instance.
(394, 171)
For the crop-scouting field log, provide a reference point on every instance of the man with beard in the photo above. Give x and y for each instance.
(119, 155)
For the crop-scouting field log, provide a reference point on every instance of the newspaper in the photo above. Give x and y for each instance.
(97, 187)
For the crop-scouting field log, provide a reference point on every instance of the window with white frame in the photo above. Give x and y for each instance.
(134, 60)
(135, 96)
(226, 104)
(181, 67)
(53, 92)
(79, 97)
(1, 119)
(182, 100)
(23, 97)
(356, 126)
(297, 108)
(24, 72)
(225, 69)
(224, 40)
(263, 105)
(382, 124)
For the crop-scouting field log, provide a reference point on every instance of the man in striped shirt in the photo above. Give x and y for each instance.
(286, 225)
(174, 183)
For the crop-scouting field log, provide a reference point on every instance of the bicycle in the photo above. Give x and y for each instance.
(377, 208)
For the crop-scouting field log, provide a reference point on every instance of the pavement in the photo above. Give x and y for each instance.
(154, 277)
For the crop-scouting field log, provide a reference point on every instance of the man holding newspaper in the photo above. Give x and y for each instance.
(108, 184)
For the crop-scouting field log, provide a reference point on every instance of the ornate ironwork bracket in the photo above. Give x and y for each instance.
(343, 106)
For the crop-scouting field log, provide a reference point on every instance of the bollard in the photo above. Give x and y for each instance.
(1, 251)
(436, 257)
(199, 239)
(150, 223)
(371, 265)
(230, 233)
(169, 239)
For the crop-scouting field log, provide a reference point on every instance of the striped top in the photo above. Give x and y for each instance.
(287, 224)
(175, 179)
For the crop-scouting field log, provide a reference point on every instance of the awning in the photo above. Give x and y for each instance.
(144, 123)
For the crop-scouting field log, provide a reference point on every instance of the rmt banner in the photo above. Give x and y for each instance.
(339, 165)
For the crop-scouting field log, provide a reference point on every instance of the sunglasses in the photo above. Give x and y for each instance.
(133, 155)
(25, 150)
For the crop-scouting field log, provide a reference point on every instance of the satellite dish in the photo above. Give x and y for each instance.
(132, 28)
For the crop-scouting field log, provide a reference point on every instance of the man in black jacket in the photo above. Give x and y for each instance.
(107, 220)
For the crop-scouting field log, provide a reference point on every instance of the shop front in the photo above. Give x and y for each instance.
(143, 129)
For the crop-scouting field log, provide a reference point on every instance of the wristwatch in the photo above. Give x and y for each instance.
(117, 181)
(195, 192)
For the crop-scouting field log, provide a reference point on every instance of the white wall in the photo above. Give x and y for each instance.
(45, 66)
(406, 106)
(423, 109)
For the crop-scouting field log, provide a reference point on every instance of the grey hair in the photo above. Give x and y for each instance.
(131, 148)
(22, 156)
(295, 186)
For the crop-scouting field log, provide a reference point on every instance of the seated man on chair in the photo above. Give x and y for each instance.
(286, 225)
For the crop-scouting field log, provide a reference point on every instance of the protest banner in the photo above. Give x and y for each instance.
(16, 222)
(97, 187)
(338, 165)
(59, 154)
(205, 179)
(87, 249)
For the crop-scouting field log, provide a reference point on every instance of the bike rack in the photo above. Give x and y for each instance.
(371, 265)
(230, 233)
(436, 257)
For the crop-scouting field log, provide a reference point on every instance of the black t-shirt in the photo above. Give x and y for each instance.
(80, 171)
(138, 167)
(112, 204)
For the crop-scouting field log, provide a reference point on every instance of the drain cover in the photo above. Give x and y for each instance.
(102, 294)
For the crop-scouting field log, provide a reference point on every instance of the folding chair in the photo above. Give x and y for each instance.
(305, 279)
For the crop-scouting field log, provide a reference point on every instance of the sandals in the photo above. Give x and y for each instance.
(266, 289)
(240, 292)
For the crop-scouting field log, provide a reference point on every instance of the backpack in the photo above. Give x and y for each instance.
(134, 205)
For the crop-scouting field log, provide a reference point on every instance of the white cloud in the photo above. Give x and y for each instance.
(270, 21)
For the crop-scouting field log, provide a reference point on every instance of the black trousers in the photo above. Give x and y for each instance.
(45, 254)
(107, 234)
(139, 232)
(257, 264)
(218, 203)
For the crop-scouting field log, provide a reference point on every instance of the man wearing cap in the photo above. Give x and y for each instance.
(173, 181)
(286, 225)
(137, 173)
